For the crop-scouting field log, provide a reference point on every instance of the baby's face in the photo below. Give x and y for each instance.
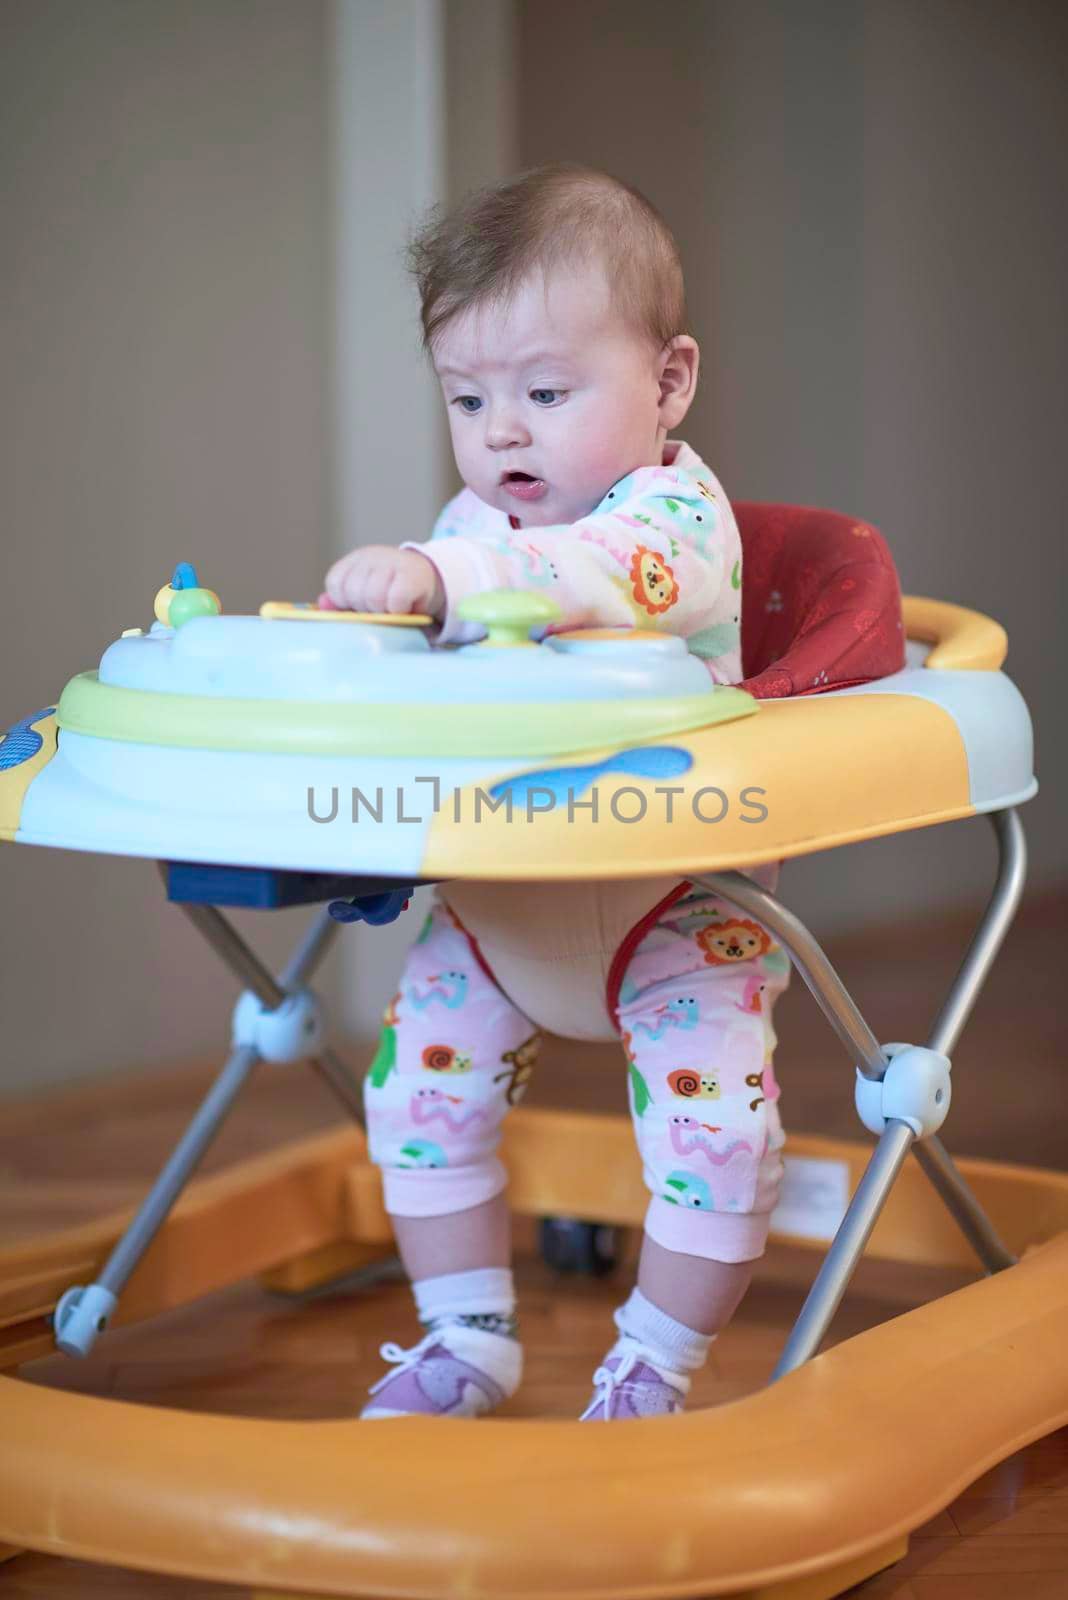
(557, 387)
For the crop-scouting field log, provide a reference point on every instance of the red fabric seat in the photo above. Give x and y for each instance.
(821, 603)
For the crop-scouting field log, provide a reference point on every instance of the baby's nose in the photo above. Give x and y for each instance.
(506, 430)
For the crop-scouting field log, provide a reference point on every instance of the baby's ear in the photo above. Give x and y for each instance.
(679, 364)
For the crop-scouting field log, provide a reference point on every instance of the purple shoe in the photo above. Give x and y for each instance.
(442, 1376)
(630, 1386)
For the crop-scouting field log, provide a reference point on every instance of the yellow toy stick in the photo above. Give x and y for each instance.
(306, 611)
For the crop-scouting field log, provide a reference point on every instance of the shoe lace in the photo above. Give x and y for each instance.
(404, 1360)
(604, 1379)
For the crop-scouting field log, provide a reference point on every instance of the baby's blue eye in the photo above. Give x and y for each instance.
(469, 404)
(545, 397)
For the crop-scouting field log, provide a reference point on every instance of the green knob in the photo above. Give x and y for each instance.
(190, 603)
(509, 614)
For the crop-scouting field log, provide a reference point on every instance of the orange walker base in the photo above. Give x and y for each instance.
(825, 1473)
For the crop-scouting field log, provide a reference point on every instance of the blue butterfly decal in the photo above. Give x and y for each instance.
(657, 761)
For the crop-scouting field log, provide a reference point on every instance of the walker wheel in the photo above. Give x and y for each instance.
(570, 1245)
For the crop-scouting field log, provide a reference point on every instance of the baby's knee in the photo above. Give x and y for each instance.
(436, 1151)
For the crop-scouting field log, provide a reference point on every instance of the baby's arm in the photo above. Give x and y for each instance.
(668, 557)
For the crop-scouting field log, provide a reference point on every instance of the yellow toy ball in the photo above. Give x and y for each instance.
(162, 604)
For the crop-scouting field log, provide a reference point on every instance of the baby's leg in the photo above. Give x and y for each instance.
(699, 1292)
(458, 1241)
(453, 1055)
(695, 1018)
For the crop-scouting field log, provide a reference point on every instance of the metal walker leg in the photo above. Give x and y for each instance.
(82, 1313)
(898, 1138)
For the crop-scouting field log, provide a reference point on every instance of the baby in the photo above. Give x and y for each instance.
(553, 310)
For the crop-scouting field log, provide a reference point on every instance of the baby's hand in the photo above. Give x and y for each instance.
(380, 578)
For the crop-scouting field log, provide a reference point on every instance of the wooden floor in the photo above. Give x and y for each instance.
(65, 1157)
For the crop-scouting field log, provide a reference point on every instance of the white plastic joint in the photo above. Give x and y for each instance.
(287, 1034)
(915, 1089)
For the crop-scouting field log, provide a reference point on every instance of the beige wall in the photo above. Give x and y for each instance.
(869, 199)
(162, 396)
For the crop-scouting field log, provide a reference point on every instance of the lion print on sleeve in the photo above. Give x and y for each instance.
(653, 582)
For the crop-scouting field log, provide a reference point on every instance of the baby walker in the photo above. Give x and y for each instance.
(227, 748)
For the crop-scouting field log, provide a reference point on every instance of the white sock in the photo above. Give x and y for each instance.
(671, 1344)
(483, 1297)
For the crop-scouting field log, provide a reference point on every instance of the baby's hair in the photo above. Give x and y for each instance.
(483, 250)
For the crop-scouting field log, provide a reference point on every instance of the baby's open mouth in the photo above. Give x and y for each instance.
(523, 485)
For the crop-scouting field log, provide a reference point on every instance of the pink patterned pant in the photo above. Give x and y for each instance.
(694, 1016)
